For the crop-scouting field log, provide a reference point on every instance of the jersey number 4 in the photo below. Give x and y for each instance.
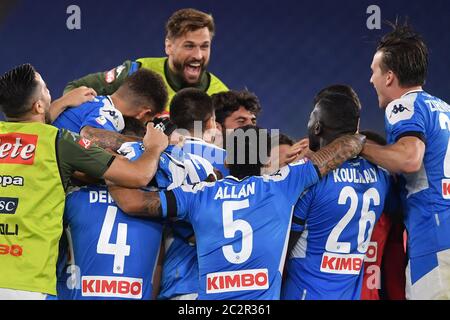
(120, 249)
(367, 216)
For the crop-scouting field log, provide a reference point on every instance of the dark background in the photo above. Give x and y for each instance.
(284, 51)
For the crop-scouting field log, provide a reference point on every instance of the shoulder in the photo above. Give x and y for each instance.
(67, 135)
(375, 169)
(154, 64)
(401, 109)
(284, 172)
(107, 111)
(203, 144)
(216, 85)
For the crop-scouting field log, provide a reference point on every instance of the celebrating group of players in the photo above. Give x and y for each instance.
(207, 205)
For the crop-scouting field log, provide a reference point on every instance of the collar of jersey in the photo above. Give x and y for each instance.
(237, 179)
(195, 139)
(412, 91)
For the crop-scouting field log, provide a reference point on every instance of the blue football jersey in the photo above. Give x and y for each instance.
(112, 255)
(180, 267)
(175, 166)
(336, 218)
(99, 113)
(425, 194)
(215, 155)
(241, 229)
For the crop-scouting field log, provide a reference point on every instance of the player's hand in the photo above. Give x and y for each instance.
(78, 96)
(298, 150)
(154, 139)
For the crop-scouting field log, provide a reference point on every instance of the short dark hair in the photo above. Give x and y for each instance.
(285, 140)
(133, 127)
(227, 102)
(190, 105)
(340, 113)
(406, 54)
(374, 136)
(186, 20)
(145, 87)
(338, 89)
(17, 87)
(252, 151)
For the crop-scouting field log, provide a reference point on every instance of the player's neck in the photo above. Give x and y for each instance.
(329, 138)
(400, 92)
(27, 118)
(192, 134)
(119, 103)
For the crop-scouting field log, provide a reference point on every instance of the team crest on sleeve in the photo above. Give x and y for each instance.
(85, 143)
(400, 109)
(110, 76)
(119, 70)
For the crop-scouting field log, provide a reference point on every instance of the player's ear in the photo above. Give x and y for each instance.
(37, 107)
(390, 77)
(145, 115)
(318, 128)
(168, 46)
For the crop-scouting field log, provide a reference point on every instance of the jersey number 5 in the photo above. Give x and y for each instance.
(230, 227)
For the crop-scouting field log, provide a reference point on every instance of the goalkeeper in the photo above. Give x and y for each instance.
(189, 33)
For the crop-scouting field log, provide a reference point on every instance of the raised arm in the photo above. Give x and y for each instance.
(337, 152)
(404, 156)
(139, 173)
(106, 139)
(71, 99)
(105, 83)
(136, 202)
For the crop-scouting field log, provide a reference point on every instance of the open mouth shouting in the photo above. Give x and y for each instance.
(192, 71)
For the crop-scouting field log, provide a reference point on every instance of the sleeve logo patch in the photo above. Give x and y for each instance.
(85, 143)
(119, 70)
(400, 110)
(110, 76)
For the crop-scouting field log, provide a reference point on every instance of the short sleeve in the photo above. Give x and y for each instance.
(131, 150)
(106, 117)
(301, 210)
(405, 118)
(79, 154)
(179, 202)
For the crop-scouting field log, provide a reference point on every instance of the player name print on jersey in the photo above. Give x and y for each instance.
(231, 281)
(231, 192)
(100, 196)
(352, 175)
(17, 148)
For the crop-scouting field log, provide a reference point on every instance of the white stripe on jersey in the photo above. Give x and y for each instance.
(286, 241)
(299, 249)
(202, 142)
